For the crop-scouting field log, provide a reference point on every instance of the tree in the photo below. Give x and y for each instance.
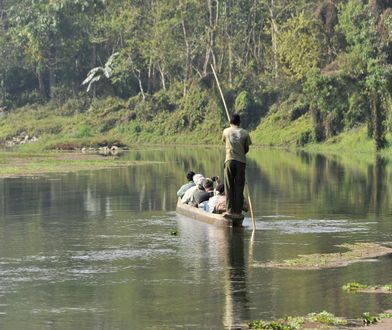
(300, 46)
(365, 47)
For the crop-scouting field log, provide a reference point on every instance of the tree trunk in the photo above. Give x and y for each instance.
(188, 59)
(274, 34)
(150, 77)
(94, 60)
(41, 84)
(138, 77)
(52, 81)
(213, 21)
(318, 125)
(230, 65)
(379, 116)
(163, 80)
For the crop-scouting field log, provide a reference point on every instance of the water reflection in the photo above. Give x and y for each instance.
(100, 241)
(300, 184)
(223, 249)
(237, 304)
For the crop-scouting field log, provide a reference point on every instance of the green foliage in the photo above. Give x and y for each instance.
(300, 45)
(387, 287)
(99, 72)
(326, 318)
(295, 323)
(305, 138)
(244, 106)
(385, 316)
(368, 319)
(150, 59)
(356, 24)
(354, 286)
(84, 131)
(289, 323)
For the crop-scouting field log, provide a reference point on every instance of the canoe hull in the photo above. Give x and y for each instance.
(200, 215)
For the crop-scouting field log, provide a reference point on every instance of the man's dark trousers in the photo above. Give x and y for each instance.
(234, 172)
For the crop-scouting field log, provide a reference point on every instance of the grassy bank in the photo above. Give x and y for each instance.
(77, 124)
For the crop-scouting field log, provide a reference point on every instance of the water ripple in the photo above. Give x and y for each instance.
(313, 226)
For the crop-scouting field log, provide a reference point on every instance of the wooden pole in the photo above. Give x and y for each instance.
(228, 117)
(220, 91)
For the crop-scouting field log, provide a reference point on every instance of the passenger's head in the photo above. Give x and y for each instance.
(197, 178)
(190, 175)
(235, 119)
(208, 184)
(220, 188)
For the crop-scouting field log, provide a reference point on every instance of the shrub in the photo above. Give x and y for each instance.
(305, 138)
(84, 131)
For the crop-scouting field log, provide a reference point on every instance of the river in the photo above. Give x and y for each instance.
(95, 250)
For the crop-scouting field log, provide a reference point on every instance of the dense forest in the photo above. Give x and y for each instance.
(146, 65)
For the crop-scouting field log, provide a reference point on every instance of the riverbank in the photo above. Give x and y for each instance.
(112, 122)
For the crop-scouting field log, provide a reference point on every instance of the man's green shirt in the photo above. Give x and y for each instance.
(237, 143)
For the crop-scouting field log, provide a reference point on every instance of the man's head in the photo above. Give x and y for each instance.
(220, 189)
(235, 119)
(190, 175)
(197, 178)
(208, 184)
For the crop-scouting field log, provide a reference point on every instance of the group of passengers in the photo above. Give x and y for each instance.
(200, 192)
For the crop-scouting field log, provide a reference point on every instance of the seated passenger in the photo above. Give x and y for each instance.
(186, 186)
(197, 178)
(220, 204)
(203, 193)
(213, 201)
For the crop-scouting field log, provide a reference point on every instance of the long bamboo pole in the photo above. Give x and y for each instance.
(220, 91)
(228, 117)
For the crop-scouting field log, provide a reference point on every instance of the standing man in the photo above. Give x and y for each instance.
(237, 146)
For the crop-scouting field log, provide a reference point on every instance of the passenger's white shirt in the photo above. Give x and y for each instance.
(188, 195)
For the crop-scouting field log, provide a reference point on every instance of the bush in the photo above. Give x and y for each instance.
(84, 131)
(305, 138)
(108, 125)
(300, 107)
(333, 124)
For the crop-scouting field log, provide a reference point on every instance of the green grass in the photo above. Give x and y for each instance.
(277, 130)
(317, 320)
(114, 121)
(322, 320)
(355, 252)
(355, 287)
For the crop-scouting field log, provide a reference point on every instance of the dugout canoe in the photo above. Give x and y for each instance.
(201, 215)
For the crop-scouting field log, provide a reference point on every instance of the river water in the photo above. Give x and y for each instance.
(95, 250)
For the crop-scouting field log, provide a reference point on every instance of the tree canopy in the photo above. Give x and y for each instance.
(333, 55)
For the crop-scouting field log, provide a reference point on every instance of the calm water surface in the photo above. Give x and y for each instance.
(94, 250)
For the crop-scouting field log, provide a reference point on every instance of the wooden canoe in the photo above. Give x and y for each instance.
(201, 215)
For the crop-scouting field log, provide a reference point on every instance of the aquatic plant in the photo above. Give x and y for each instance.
(387, 287)
(326, 318)
(368, 319)
(354, 286)
(356, 252)
(320, 320)
(290, 323)
(385, 316)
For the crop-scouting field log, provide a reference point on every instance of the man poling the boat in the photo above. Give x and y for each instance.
(237, 142)
(237, 146)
